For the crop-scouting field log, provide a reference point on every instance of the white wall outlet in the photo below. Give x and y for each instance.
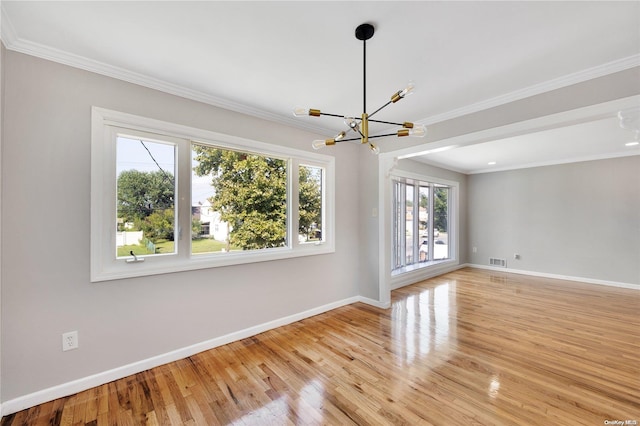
(475, 249)
(70, 340)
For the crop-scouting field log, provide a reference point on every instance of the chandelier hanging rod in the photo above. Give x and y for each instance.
(361, 126)
(364, 32)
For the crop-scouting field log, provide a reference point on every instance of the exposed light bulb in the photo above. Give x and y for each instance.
(339, 136)
(374, 149)
(300, 111)
(407, 90)
(404, 92)
(318, 144)
(352, 123)
(418, 131)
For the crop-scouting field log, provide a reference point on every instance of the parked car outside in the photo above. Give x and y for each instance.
(425, 233)
(440, 249)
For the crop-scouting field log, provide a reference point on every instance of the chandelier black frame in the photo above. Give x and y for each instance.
(361, 126)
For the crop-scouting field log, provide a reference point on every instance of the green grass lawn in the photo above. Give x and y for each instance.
(204, 245)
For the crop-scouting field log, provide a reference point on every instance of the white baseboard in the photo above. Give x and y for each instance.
(557, 276)
(373, 302)
(79, 385)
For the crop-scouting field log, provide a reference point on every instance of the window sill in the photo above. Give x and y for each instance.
(419, 266)
(413, 273)
(205, 261)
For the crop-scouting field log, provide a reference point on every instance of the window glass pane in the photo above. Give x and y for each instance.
(246, 205)
(409, 224)
(398, 224)
(441, 222)
(151, 183)
(145, 197)
(310, 204)
(208, 233)
(421, 218)
(423, 251)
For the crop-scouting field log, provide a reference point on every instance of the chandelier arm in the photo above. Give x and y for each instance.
(370, 137)
(354, 139)
(382, 136)
(387, 122)
(380, 109)
(348, 140)
(332, 115)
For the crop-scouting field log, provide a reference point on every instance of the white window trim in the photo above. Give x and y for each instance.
(410, 273)
(103, 264)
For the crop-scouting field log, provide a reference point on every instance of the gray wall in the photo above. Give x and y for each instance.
(368, 225)
(45, 194)
(607, 88)
(45, 242)
(577, 220)
(437, 172)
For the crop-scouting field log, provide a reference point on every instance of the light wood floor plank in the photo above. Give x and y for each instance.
(469, 347)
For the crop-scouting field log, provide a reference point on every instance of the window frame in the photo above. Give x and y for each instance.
(396, 273)
(154, 138)
(106, 266)
(323, 201)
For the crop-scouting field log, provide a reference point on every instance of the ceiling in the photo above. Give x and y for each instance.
(264, 58)
(591, 139)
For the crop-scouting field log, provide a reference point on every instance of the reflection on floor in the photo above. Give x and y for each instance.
(468, 347)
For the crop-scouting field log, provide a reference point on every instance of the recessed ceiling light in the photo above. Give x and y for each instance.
(634, 143)
(491, 163)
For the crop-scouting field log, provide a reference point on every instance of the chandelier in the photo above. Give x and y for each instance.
(360, 126)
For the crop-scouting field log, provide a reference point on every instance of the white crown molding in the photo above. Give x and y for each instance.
(559, 162)
(537, 89)
(13, 42)
(561, 119)
(76, 61)
(16, 44)
(570, 160)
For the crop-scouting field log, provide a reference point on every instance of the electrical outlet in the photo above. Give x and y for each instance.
(475, 249)
(70, 340)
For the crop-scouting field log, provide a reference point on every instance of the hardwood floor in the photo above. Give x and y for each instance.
(469, 347)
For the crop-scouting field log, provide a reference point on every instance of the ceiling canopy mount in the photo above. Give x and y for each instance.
(364, 32)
